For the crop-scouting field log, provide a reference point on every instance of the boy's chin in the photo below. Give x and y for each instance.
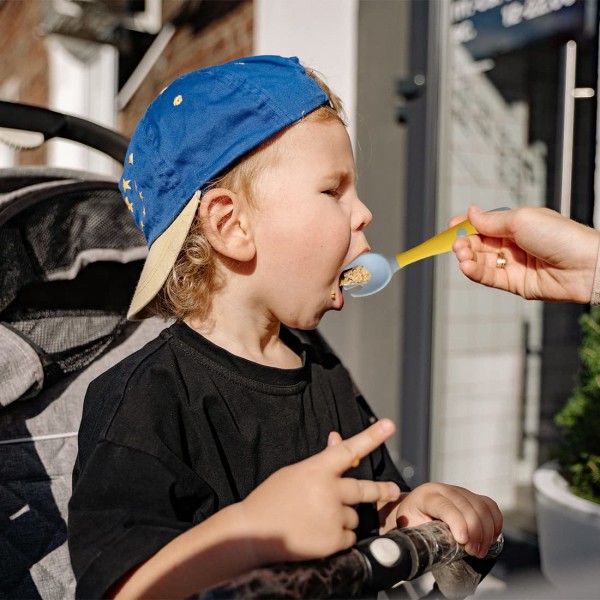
(308, 322)
(305, 323)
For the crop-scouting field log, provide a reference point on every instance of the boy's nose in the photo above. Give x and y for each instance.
(362, 215)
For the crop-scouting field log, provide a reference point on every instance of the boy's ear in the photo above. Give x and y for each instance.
(225, 221)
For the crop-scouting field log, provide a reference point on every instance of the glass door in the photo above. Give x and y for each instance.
(518, 127)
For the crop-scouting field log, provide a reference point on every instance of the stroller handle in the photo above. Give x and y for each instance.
(374, 564)
(53, 124)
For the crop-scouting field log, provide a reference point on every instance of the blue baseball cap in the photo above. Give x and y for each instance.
(198, 126)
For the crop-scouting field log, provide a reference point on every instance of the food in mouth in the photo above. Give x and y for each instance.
(355, 275)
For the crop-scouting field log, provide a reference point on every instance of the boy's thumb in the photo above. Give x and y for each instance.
(334, 439)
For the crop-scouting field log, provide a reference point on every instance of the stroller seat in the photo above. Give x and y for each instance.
(70, 256)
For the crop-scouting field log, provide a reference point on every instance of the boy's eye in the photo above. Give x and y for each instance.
(333, 193)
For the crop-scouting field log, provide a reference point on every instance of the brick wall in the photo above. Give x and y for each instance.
(24, 60)
(225, 39)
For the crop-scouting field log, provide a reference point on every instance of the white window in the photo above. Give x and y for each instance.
(83, 82)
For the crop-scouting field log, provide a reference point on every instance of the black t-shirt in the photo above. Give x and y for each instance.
(183, 428)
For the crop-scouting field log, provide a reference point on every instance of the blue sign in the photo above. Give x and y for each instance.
(490, 27)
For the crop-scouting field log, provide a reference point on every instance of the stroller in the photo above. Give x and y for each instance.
(70, 256)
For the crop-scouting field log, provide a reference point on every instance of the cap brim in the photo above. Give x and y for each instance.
(160, 260)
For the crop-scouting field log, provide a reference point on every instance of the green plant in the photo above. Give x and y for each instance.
(579, 421)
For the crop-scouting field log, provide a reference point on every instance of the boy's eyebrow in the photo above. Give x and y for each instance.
(343, 175)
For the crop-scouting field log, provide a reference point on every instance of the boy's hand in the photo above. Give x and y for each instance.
(475, 521)
(306, 510)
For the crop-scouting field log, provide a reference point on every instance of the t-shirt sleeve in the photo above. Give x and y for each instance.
(125, 507)
(131, 495)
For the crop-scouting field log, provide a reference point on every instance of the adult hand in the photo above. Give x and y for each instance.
(548, 257)
(306, 510)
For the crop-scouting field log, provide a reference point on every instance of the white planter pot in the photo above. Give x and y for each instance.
(569, 535)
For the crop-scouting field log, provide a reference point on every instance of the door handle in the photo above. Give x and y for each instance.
(570, 94)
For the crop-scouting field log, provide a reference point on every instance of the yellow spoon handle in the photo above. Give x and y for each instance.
(438, 244)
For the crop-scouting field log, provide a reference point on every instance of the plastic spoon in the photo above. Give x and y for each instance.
(383, 267)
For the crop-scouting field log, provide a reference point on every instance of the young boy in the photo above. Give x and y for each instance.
(223, 445)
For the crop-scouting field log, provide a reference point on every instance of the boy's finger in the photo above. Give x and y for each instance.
(360, 491)
(496, 516)
(334, 439)
(348, 453)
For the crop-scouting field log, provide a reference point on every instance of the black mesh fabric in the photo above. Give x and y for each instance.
(44, 241)
(67, 340)
(70, 260)
(51, 332)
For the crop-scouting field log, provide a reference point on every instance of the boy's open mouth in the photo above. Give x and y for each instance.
(355, 275)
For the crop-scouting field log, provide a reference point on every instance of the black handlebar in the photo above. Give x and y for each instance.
(372, 565)
(53, 124)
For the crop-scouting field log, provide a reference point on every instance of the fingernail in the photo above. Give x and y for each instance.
(386, 426)
(474, 550)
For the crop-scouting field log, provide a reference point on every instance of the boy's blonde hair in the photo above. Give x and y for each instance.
(194, 279)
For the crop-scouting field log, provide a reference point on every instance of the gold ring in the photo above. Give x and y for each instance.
(500, 261)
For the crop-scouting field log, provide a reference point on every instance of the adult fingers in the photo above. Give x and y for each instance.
(348, 453)
(488, 223)
(456, 220)
(478, 244)
(483, 267)
(492, 223)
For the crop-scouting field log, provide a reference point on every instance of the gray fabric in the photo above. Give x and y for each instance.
(38, 446)
(46, 173)
(20, 366)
